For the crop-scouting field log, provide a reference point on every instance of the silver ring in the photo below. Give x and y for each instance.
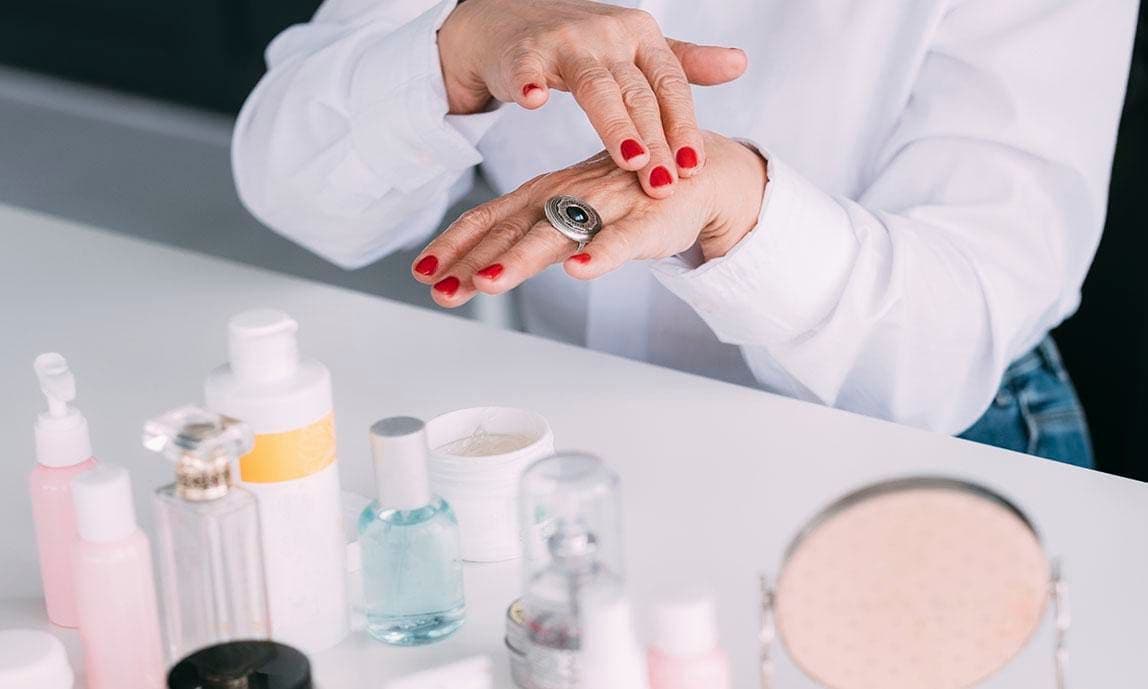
(573, 218)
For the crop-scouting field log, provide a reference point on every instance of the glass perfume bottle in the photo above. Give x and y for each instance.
(409, 538)
(571, 517)
(210, 557)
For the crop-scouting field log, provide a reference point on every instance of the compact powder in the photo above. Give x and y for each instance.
(915, 584)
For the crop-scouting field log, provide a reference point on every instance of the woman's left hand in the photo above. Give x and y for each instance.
(496, 246)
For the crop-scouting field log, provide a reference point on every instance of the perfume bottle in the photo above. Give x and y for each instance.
(63, 451)
(409, 538)
(210, 558)
(115, 590)
(571, 517)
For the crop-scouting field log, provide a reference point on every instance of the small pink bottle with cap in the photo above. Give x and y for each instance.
(115, 587)
(686, 652)
(63, 450)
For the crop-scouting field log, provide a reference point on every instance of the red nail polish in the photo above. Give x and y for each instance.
(427, 266)
(631, 149)
(530, 87)
(581, 258)
(687, 157)
(660, 177)
(491, 272)
(447, 286)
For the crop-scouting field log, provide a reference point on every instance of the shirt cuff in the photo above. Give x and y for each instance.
(398, 108)
(782, 279)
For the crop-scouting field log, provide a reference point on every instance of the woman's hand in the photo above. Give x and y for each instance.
(632, 82)
(494, 247)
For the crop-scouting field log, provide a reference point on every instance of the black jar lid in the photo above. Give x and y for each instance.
(242, 665)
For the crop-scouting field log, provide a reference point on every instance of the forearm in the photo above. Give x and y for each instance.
(345, 145)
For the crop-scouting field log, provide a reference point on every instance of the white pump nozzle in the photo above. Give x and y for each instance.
(56, 381)
(61, 432)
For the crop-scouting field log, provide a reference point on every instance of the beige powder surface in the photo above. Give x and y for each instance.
(924, 588)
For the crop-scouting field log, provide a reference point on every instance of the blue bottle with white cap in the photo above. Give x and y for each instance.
(411, 549)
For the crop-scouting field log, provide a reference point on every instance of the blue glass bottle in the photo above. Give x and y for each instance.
(412, 563)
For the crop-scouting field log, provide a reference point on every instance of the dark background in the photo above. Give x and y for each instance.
(208, 53)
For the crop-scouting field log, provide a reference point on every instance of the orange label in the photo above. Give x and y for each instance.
(291, 455)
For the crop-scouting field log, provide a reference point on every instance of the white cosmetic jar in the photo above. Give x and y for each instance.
(483, 490)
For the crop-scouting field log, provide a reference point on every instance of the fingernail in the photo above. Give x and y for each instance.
(491, 272)
(660, 177)
(581, 258)
(447, 286)
(631, 149)
(530, 87)
(427, 266)
(687, 157)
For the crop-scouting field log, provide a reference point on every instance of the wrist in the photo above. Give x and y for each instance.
(466, 92)
(737, 190)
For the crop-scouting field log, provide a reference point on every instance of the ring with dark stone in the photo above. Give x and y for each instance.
(573, 218)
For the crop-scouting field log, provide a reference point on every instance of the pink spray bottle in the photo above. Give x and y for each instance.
(63, 450)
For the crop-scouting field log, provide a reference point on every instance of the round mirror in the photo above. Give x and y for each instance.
(921, 582)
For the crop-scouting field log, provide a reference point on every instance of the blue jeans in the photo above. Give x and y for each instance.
(1036, 411)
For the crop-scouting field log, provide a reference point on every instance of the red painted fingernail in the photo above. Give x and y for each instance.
(427, 266)
(687, 157)
(491, 272)
(631, 149)
(660, 177)
(581, 258)
(530, 87)
(447, 286)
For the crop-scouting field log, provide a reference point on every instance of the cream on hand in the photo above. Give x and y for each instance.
(63, 450)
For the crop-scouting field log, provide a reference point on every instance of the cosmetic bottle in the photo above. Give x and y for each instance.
(686, 653)
(611, 657)
(210, 556)
(63, 451)
(292, 471)
(571, 516)
(242, 665)
(33, 659)
(410, 543)
(115, 591)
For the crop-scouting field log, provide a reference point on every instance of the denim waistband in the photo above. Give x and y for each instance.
(1044, 354)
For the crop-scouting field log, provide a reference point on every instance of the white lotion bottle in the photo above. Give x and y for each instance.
(292, 471)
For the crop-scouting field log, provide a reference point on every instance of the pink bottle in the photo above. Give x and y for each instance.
(115, 588)
(63, 450)
(686, 652)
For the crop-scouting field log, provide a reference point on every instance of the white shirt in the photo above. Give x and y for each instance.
(938, 182)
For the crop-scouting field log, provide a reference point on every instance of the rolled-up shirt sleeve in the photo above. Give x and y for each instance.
(970, 240)
(345, 146)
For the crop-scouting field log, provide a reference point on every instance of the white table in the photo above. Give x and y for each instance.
(717, 478)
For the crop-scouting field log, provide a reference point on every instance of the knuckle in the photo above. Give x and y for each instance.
(668, 82)
(683, 131)
(475, 218)
(639, 97)
(504, 233)
(639, 19)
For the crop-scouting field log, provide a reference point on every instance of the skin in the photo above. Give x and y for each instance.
(715, 211)
(632, 82)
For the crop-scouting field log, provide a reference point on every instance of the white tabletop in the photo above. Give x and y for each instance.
(717, 478)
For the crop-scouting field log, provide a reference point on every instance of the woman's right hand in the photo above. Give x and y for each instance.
(632, 82)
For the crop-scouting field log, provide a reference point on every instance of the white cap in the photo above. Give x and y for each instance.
(399, 446)
(105, 511)
(686, 626)
(262, 345)
(31, 658)
(610, 654)
(62, 437)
